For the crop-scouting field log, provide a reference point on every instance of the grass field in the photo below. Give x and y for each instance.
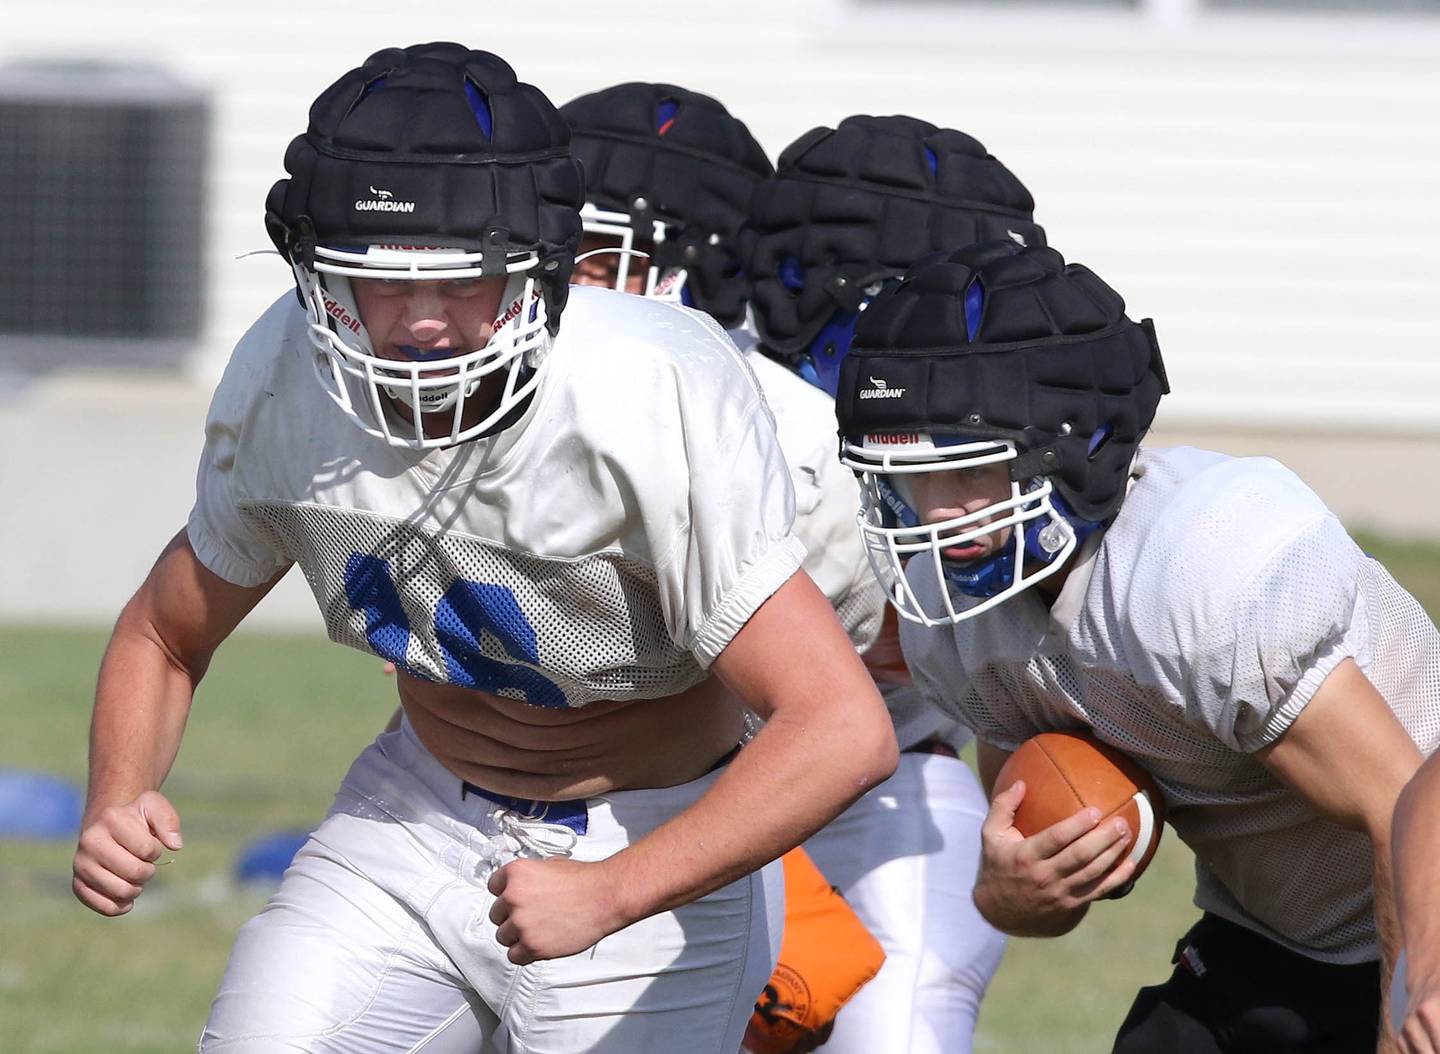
(274, 727)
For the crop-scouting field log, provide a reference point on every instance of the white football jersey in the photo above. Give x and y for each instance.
(827, 501)
(1191, 633)
(608, 545)
(827, 498)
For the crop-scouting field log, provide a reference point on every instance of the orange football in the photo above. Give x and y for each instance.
(1065, 772)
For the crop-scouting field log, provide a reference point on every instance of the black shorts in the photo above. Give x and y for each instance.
(1236, 992)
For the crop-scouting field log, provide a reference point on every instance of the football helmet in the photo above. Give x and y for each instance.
(848, 210)
(430, 163)
(668, 179)
(993, 355)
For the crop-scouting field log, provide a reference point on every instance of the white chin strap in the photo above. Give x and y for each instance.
(885, 462)
(365, 386)
(607, 223)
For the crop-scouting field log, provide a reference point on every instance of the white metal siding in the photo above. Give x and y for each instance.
(1264, 186)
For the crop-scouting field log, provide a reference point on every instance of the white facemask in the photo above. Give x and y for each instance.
(362, 383)
(667, 285)
(895, 537)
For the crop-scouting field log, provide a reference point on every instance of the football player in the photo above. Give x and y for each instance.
(1205, 614)
(574, 543)
(847, 211)
(669, 174)
(668, 178)
(1415, 995)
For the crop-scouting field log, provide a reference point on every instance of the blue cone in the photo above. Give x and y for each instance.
(266, 858)
(38, 805)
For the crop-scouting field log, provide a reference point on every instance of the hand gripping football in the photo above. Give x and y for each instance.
(1065, 772)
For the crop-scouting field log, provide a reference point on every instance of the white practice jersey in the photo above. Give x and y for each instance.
(608, 545)
(1192, 633)
(827, 502)
(827, 498)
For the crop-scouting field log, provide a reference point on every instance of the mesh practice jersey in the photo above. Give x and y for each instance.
(827, 498)
(827, 501)
(606, 546)
(1191, 635)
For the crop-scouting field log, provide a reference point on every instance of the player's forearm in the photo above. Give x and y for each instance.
(141, 703)
(1416, 857)
(1387, 929)
(791, 780)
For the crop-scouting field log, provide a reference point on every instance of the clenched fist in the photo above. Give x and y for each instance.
(118, 849)
(546, 909)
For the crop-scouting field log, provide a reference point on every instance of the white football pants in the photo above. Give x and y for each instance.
(906, 856)
(377, 939)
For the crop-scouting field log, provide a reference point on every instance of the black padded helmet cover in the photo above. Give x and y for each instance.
(1053, 365)
(864, 201)
(660, 152)
(399, 148)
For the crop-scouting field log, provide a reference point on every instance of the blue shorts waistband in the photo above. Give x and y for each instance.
(573, 813)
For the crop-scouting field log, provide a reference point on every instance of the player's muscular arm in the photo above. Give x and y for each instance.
(827, 739)
(1416, 836)
(158, 652)
(1043, 885)
(1349, 757)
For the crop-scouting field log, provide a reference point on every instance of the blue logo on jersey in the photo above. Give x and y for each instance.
(464, 611)
(467, 610)
(370, 589)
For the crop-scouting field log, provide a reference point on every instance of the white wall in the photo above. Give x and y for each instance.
(1264, 186)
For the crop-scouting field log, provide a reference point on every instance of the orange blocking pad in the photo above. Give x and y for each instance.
(826, 955)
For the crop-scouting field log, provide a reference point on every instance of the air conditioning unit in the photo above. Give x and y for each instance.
(102, 178)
